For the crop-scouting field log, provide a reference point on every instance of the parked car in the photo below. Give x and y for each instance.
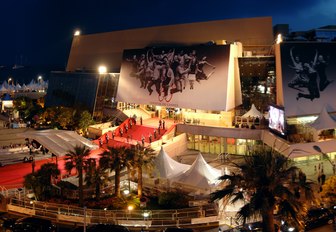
(102, 228)
(6, 222)
(32, 224)
(318, 217)
(315, 217)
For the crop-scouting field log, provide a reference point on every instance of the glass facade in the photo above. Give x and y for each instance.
(217, 145)
(76, 90)
(257, 77)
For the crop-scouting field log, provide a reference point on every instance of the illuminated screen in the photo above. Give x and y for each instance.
(277, 120)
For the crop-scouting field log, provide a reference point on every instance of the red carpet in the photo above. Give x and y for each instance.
(11, 176)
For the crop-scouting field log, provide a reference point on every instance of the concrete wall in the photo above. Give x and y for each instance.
(90, 51)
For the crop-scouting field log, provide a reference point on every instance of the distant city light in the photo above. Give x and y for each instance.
(77, 33)
(102, 69)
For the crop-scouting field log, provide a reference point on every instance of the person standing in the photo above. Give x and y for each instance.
(107, 137)
(141, 120)
(163, 124)
(150, 138)
(113, 134)
(143, 140)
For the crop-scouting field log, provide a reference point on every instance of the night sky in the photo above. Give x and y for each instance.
(39, 32)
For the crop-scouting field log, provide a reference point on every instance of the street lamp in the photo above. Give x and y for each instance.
(318, 149)
(77, 33)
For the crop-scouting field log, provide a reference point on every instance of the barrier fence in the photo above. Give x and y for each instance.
(205, 214)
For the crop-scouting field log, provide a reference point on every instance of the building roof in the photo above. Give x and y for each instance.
(59, 142)
(89, 51)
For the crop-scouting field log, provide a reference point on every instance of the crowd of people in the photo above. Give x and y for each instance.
(125, 131)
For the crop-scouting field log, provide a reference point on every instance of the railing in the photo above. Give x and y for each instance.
(146, 218)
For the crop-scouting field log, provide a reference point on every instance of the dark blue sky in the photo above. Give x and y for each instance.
(39, 32)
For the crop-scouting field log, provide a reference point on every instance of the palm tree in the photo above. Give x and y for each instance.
(114, 159)
(76, 159)
(94, 176)
(40, 181)
(265, 177)
(143, 157)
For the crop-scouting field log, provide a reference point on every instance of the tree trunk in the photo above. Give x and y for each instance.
(268, 220)
(80, 186)
(139, 181)
(117, 181)
(98, 183)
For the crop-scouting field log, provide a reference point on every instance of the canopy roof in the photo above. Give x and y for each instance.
(324, 121)
(59, 142)
(253, 113)
(200, 174)
(166, 167)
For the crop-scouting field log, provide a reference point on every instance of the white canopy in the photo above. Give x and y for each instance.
(200, 174)
(324, 121)
(166, 167)
(3, 88)
(59, 142)
(253, 113)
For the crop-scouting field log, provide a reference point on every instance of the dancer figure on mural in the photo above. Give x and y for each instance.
(320, 67)
(299, 80)
(200, 74)
(312, 86)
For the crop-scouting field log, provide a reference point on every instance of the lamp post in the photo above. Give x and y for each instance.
(318, 149)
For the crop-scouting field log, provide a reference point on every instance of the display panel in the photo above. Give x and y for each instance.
(277, 123)
(183, 77)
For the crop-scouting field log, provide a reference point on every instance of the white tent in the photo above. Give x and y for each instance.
(166, 167)
(3, 88)
(18, 87)
(200, 174)
(323, 122)
(59, 142)
(253, 113)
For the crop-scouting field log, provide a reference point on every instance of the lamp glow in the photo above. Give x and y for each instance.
(77, 33)
(102, 69)
(279, 39)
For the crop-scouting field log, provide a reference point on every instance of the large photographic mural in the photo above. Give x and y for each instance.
(186, 77)
(308, 77)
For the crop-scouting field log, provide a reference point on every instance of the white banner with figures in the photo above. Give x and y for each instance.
(195, 77)
(308, 77)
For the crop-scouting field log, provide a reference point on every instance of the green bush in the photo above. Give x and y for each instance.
(173, 200)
